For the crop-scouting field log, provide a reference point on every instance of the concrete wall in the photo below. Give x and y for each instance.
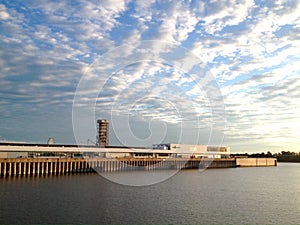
(13, 154)
(243, 162)
(3, 154)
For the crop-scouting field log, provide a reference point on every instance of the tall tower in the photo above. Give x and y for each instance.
(103, 131)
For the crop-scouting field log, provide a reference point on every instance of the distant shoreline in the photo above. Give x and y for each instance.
(288, 161)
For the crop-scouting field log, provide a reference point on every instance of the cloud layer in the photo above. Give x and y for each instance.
(250, 47)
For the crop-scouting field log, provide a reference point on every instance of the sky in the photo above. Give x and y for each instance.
(219, 72)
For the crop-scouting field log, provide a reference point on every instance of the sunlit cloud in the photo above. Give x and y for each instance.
(250, 48)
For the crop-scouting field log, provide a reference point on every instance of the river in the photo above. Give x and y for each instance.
(229, 196)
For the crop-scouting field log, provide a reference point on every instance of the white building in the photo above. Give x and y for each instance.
(13, 150)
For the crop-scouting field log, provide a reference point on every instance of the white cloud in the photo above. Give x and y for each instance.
(4, 15)
(219, 14)
(250, 47)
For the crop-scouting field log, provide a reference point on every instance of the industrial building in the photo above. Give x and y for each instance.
(102, 149)
(14, 150)
(184, 151)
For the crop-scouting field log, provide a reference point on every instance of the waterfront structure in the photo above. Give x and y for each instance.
(58, 166)
(39, 159)
(51, 158)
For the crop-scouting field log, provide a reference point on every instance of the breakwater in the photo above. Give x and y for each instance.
(60, 166)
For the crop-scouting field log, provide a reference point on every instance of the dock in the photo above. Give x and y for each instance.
(61, 166)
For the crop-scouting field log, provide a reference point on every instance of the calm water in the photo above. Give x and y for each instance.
(237, 195)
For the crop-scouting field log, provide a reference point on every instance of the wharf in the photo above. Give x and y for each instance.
(60, 166)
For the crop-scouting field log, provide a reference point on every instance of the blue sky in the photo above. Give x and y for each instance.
(207, 72)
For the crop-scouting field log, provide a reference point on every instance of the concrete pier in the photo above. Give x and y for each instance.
(58, 166)
(255, 162)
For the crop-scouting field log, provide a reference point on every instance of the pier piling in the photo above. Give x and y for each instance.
(50, 166)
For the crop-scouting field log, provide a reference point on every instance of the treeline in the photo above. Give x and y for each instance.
(288, 156)
(284, 156)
